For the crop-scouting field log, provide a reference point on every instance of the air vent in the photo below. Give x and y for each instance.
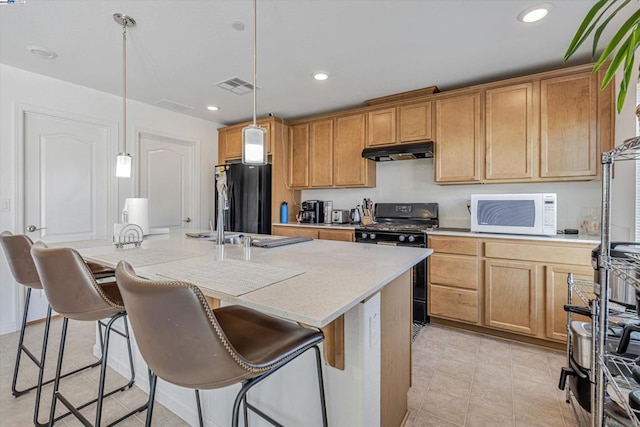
(172, 105)
(237, 85)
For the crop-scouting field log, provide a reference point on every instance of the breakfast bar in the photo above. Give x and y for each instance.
(359, 295)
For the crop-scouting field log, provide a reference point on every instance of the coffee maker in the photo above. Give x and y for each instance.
(312, 212)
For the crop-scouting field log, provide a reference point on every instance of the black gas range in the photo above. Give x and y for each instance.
(404, 224)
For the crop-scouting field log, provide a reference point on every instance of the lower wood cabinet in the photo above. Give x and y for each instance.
(511, 296)
(454, 303)
(515, 286)
(316, 233)
(454, 279)
(556, 294)
(341, 235)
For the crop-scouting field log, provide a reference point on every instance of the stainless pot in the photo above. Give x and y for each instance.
(619, 290)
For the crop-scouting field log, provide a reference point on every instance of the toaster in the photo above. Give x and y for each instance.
(340, 216)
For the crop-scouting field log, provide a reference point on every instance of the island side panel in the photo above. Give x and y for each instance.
(395, 350)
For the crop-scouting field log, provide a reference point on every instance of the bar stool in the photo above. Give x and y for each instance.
(17, 251)
(73, 292)
(185, 342)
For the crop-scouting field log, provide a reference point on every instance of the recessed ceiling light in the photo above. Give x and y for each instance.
(42, 52)
(321, 76)
(535, 13)
(212, 108)
(237, 25)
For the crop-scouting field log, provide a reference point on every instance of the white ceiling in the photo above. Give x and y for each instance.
(180, 49)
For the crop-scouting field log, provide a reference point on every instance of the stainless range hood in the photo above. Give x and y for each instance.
(417, 150)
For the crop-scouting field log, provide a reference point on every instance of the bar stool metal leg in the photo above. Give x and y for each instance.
(241, 397)
(22, 348)
(101, 394)
(199, 407)
(153, 379)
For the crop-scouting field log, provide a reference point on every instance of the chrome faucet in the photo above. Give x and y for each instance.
(223, 203)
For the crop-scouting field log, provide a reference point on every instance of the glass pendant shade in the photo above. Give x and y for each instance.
(123, 165)
(254, 146)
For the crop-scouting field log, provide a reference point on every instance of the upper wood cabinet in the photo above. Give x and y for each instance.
(321, 153)
(350, 169)
(230, 141)
(299, 155)
(568, 126)
(510, 132)
(381, 128)
(327, 153)
(458, 139)
(415, 122)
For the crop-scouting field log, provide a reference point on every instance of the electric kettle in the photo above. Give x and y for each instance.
(355, 215)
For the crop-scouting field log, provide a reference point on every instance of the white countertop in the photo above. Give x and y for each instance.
(337, 275)
(570, 238)
(348, 226)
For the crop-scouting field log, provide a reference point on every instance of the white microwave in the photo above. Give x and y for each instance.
(535, 213)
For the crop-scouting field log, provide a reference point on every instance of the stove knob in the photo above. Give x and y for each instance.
(372, 236)
(402, 237)
(364, 235)
(412, 239)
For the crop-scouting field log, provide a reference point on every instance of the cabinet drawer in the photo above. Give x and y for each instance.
(453, 270)
(457, 304)
(341, 235)
(295, 231)
(576, 255)
(454, 246)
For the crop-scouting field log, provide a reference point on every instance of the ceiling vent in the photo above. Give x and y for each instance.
(172, 105)
(237, 85)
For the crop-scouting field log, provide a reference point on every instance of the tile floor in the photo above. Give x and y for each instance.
(459, 379)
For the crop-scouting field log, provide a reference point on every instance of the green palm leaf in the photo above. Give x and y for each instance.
(622, 45)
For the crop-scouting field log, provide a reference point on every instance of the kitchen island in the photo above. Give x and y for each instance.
(360, 295)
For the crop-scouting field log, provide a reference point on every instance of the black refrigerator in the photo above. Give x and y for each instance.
(249, 194)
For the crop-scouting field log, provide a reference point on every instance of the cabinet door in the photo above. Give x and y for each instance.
(381, 127)
(511, 296)
(299, 155)
(416, 122)
(233, 143)
(568, 126)
(510, 132)
(458, 139)
(321, 153)
(295, 231)
(349, 168)
(556, 290)
(341, 235)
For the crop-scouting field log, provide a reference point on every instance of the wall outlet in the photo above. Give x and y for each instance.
(374, 327)
(5, 205)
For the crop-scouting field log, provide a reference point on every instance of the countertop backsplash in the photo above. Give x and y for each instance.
(412, 181)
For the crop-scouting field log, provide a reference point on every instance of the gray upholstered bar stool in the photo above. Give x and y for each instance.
(17, 249)
(186, 343)
(73, 292)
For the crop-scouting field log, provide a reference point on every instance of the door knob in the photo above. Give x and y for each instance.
(187, 220)
(32, 228)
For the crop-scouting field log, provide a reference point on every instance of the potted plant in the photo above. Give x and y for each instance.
(622, 45)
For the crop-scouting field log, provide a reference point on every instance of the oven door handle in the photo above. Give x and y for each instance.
(387, 243)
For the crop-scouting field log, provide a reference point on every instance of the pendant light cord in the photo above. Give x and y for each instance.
(124, 86)
(255, 42)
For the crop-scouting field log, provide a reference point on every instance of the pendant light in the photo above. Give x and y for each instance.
(254, 147)
(123, 161)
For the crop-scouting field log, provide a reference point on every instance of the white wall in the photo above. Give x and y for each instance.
(25, 88)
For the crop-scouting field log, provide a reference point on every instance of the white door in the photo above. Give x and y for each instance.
(167, 179)
(66, 183)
